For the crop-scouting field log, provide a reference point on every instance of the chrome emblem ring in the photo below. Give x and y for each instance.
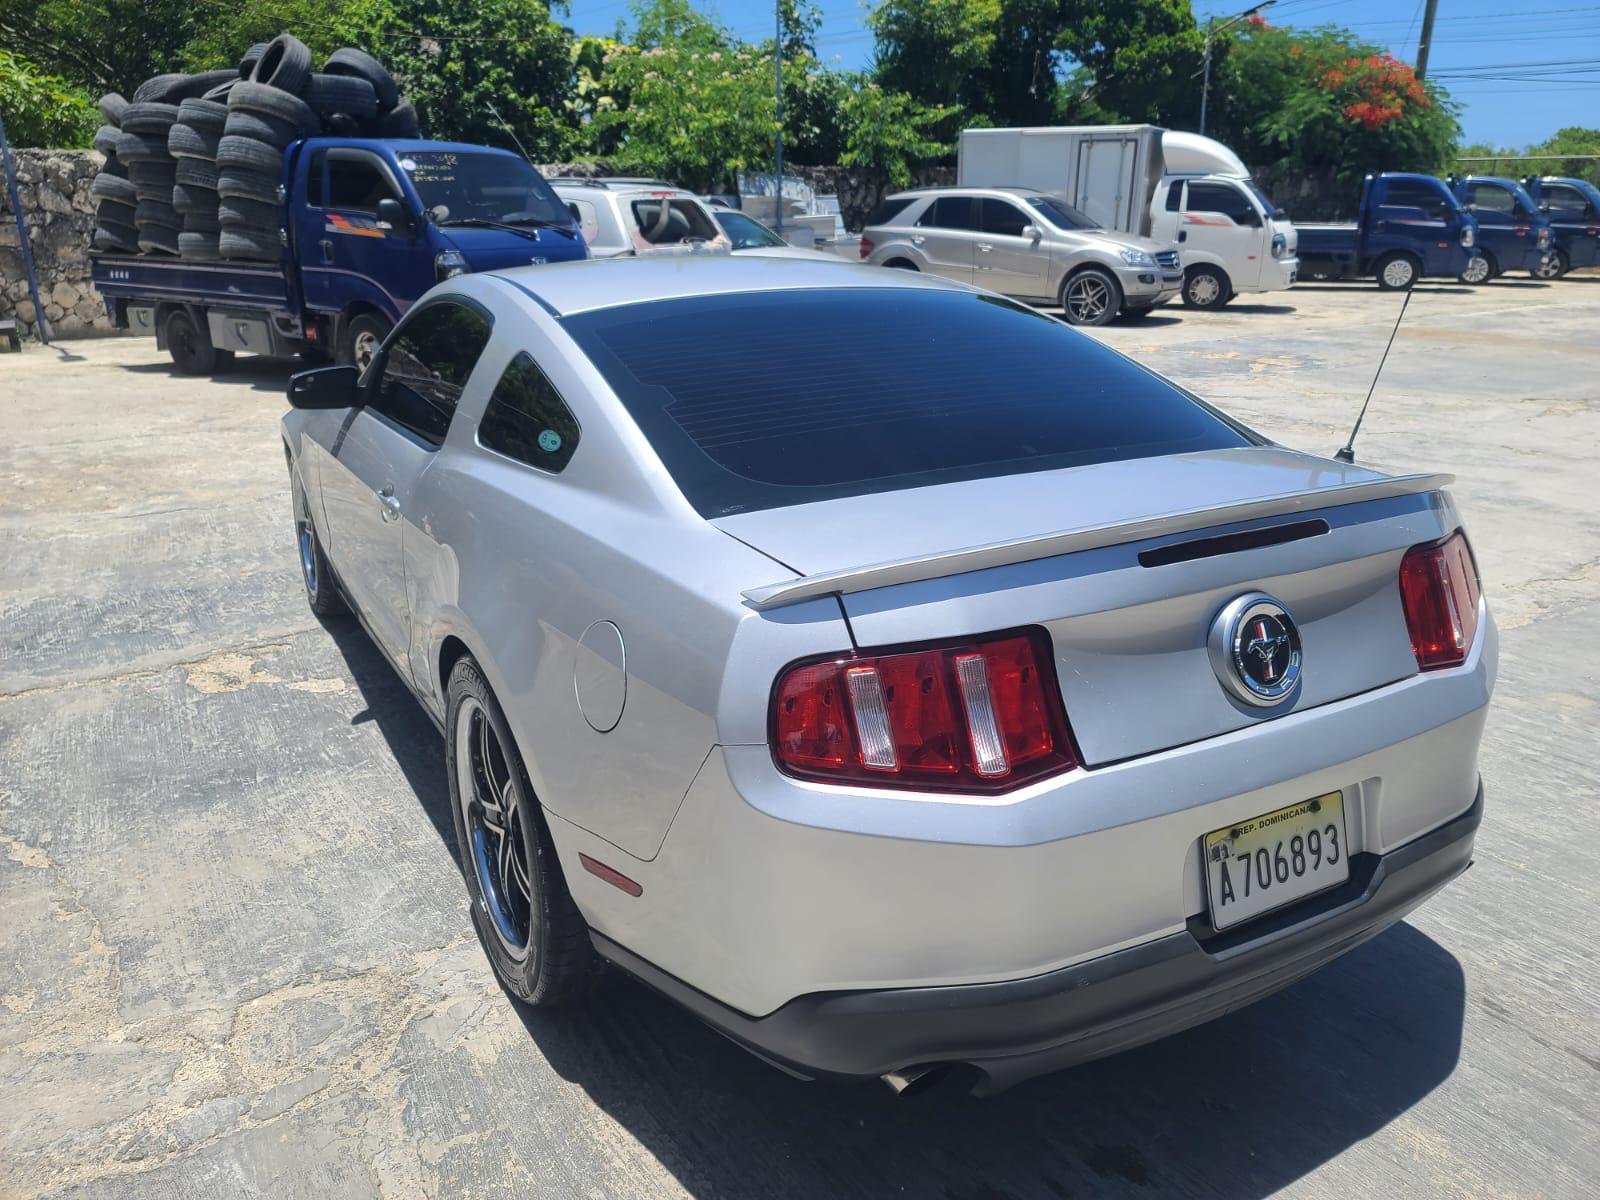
(1255, 650)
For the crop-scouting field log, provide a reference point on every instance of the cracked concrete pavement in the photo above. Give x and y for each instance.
(235, 957)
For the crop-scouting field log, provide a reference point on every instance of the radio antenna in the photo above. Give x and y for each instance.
(511, 133)
(1347, 453)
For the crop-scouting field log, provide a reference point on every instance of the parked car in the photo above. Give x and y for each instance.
(750, 236)
(368, 225)
(1573, 209)
(986, 701)
(1023, 243)
(1512, 233)
(621, 216)
(1178, 188)
(1406, 227)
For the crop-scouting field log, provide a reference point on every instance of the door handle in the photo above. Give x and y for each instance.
(918, 240)
(327, 251)
(390, 502)
(1381, 225)
(984, 247)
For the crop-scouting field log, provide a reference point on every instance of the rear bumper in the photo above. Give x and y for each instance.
(1013, 1030)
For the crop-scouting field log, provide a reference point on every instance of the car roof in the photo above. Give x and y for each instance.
(1007, 188)
(582, 286)
(579, 191)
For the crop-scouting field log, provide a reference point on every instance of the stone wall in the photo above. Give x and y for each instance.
(54, 189)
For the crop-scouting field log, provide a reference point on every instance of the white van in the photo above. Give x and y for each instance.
(1182, 189)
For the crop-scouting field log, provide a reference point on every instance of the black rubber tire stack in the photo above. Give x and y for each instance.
(193, 143)
(142, 145)
(265, 114)
(115, 199)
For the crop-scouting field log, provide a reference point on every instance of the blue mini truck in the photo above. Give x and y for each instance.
(1572, 207)
(368, 226)
(1408, 226)
(1513, 234)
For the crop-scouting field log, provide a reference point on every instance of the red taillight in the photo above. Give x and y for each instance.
(981, 716)
(1439, 589)
(867, 247)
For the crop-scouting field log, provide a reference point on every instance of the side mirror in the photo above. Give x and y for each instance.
(1032, 233)
(393, 215)
(325, 387)
(1544, 207)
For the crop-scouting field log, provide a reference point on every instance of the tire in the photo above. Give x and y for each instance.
(184, 142)
(154, 212)
(1477, 271)
(360, 339)
(109, 187)
(196, 173)
(322, 590)
(251, 214)
(201, 247)
(252, 56)
(1555, 267)
(189, 343)
(195, 87)
(270, 131)
(285, 64)
(220, 93)
(344, 125)
(1092, 296)
(186, 199)
(159, 239)
(328, 94)
(203, 221)
(248, 185)
(532, 932)
(247, 154)
(133, 147)
(203, 116)
(399, 122)
(1397, 272)
(257, 97)
(114, 212)
(157, 88)
(360, 65)
(149, 118)
(107, 138)
(114, 167)
(249, 244)
(111, 107)
(1206, 287)
(117, 238)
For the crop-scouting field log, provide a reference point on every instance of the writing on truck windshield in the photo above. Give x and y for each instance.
(461, 186)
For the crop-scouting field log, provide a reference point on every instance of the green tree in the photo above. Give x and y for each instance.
(931, 50)
(1141, 55)
(40, 109)
(101, 45)
(890, 132)
(1573, 140)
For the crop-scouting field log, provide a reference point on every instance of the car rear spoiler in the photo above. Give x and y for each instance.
(1071, 541)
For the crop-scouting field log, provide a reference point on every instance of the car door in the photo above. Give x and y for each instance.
(387, 267)
(948, 234)
(1574, 221)
(1496, 210)
(370, 478)
(1006, 260)
(1219, 220)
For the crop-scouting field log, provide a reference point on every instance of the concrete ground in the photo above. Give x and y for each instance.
(235, 957)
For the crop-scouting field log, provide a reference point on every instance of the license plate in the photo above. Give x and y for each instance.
(1276, 859)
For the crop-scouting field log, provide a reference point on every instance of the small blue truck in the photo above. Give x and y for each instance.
(1572, 207)
(368, 226)
(1512, 233)
(1408, 226)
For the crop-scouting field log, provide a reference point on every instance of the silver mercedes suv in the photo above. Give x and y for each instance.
(1026, 244)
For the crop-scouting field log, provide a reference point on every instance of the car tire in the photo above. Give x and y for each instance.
(531, 930)
(322, 590)
(1397, 272)
(360, 65)
(248, 185)
(268, 130)
(149, 117)
(109, 187)
(157, 88)
(1555, 267)
(187, 198)
(107, 138)
(249, 244)
(115, 212)
(203, 116)
(199, 246)
(327, 94)
(360, 339)
(285, 64)
(142, 147)
(247, 154)
(158, 239)
(202, 220)
(258, 97)
(155, 212)
(189, 343)
(111, 107)
(185, 142)
(1205, 286)
(237, 212)
(196, 173)
(399, 122)
(1091, 296)
(124, 238)
(1478, 270)
(252, 56)
(220, 93)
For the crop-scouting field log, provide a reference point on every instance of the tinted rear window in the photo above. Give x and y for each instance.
(897, 388)
(889, 210)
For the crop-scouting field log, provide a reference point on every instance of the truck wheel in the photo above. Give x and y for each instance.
(1554, 267)
(362, 337)
(1478, 271)
(190, 345)
(1091, 297)
(1396, 272)
(1206, 287)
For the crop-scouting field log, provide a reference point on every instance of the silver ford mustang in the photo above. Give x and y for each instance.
(904, 682)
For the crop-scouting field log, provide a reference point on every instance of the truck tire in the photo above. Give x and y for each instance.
(157, 87)
(258, 97)
(114, 212)
(158, 239)
(398, 122)
(196, 173)
(111, 107)
(116, 237)
(202, 220)
(1479, 270)
(252, 56)
(199, 246)
(360, 338)
(106, 139)
(1091, 296)
(285, 64)
(1554, 267)
(109, 187)
(194, 87)
(186, 199)
(1397, 272)
(149, 118)
(203, 116)
(152, 176)
(142, 147)
(359, 65)
(270, 131)
(245, 242)
(248, 185)
(220, 93)
(189, 343)
(249, 155)
(237, 212)
(186, 142)
(1206, 286)
(328, 94)
(344, 125)
(155, 212)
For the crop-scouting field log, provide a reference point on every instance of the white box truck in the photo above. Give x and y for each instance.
(1188, 191)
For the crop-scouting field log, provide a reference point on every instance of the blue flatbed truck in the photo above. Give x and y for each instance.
(1572, 207)
(1408, 226)
(1512, 233)
(367, 227)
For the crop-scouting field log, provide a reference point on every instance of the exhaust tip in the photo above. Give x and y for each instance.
(953, 1079)
(913, 1079)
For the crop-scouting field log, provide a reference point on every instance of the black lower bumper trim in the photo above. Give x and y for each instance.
(1016, 1029)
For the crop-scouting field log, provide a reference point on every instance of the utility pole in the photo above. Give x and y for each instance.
(1426, 43)
(1212, 29)
(777, 84)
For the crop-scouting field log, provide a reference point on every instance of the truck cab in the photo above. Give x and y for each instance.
(1512, 233)
(1572, 207)
(1407, 226)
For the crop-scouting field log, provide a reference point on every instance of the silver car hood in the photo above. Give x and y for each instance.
(932, 531)
(1131, 240)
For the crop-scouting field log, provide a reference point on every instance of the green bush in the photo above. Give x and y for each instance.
(43, 110)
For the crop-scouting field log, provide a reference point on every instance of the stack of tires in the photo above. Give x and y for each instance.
(152, 170)
(193, 145)
(115, 199)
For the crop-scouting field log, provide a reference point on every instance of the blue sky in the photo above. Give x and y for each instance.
(1509, 39)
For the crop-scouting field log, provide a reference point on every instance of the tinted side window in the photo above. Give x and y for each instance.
(1413, 193)
(953, 212)
(1489, 198)
(888, 211)
(1174, 195)
(527, 420)
(1564, 201)
(1219, 198)
(1004, 219)
(314, 176)
(427, 365)
(681, 221)
(357, 183)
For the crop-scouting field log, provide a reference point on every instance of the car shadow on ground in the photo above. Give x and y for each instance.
(1357, 285)
(257, 374)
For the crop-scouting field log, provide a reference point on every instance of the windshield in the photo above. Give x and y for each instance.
(457, 185)
(746, 232)
(980, 387)
(1271, 209)
(1061, 214)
